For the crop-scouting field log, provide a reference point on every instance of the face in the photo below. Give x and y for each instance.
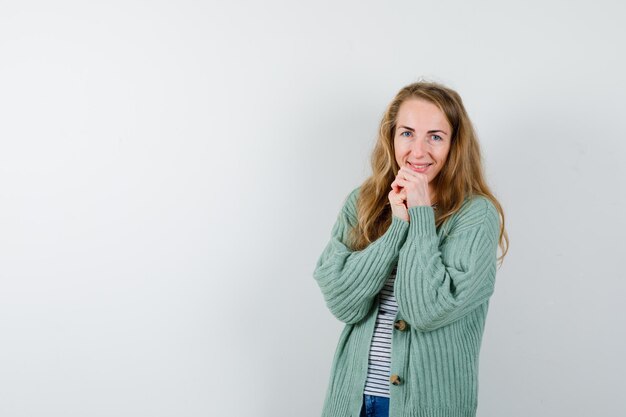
(422, 138)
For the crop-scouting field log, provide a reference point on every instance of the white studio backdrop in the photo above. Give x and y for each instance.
(170, 173)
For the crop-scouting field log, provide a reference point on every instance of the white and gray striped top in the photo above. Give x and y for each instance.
(378, 370)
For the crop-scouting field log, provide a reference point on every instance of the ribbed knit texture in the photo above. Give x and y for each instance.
(443, 283)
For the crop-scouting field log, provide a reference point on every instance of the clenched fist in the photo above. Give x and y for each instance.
(409, 189)
(397, 200)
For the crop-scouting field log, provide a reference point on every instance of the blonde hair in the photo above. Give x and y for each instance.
(461, 176)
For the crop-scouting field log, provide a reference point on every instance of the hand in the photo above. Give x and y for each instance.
(397, 199)
(415, 186)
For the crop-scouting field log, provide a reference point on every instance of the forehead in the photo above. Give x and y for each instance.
(421, 113)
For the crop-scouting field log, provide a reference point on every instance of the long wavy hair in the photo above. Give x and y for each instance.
(460, 177)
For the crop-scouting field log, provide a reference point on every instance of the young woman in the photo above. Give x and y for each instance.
(411, 265)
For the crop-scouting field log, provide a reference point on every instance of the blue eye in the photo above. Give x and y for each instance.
(407, 134)
(437, 138)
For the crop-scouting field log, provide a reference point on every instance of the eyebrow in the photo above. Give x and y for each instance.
(430, 131)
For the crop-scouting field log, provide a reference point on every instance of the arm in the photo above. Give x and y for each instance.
(437, 285)
(350, 280)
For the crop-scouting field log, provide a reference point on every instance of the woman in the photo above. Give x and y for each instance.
(411, 266)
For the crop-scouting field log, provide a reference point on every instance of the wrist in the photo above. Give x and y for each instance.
(418, 204)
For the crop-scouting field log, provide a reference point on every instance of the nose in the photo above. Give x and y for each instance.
(418, 148)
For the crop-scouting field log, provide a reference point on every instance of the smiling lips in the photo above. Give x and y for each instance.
(419, 167)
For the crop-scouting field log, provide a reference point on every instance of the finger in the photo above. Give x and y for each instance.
(395, 199)
(414, 177)
(403, 182)
(395, 186)
(408, 173)
(405, 175)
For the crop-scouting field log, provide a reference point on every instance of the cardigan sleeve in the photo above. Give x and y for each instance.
(350, 280)
(436, 285)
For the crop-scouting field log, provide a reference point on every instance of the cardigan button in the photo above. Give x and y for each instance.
(395, 379)
(400, 325)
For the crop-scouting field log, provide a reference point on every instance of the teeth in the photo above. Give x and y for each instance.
(419, 166)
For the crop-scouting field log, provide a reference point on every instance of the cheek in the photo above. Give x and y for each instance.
(401, 146)
(443, 155)
(398, 150)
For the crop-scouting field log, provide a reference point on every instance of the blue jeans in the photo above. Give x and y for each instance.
(375, 406)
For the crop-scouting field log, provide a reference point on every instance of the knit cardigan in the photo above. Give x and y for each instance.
(445, 277)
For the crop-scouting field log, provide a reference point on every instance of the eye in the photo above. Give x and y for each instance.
(436, 138)
(406, 133)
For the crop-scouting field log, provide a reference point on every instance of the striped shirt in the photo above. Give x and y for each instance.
(378, 370)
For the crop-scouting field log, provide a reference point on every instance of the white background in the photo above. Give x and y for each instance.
(170, 173)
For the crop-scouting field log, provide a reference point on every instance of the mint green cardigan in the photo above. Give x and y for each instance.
(444, 279)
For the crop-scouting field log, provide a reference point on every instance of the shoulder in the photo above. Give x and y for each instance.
(477, 211)
(349, 203)
(354, 195)
(478, 205)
